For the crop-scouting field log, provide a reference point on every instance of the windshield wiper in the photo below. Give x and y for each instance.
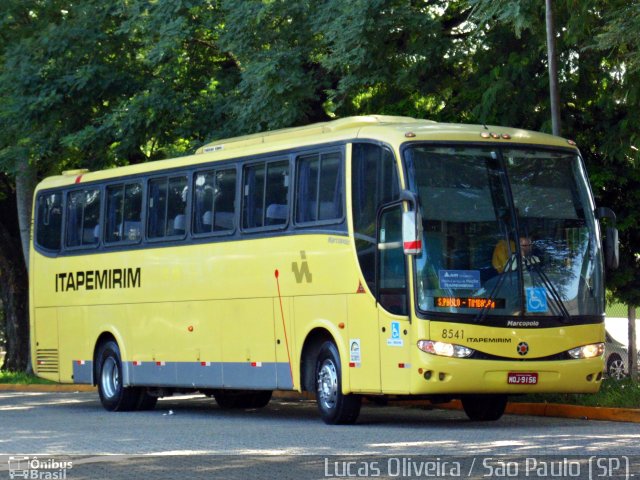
(535, 266)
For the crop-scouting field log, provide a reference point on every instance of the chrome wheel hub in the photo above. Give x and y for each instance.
(110, 377)
(328, 384)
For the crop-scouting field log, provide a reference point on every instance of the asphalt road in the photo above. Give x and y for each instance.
(183, 431)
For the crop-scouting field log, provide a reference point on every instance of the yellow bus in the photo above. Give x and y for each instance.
(363, 257)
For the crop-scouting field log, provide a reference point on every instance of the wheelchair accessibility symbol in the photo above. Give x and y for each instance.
(395, 340)
(536, 299)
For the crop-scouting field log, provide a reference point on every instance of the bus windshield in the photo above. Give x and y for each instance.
(507, 232)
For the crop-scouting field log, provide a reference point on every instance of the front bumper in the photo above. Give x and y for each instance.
(443, 375)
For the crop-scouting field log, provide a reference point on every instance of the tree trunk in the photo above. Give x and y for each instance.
(26, 180)
(633, 351)
(14, 291)
(25, 184)
(554, 91)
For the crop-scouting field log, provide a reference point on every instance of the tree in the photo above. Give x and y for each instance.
(97, 85)
(100, 84)
(599, 72)
(553, 69)
(302, 62)
(13, 284)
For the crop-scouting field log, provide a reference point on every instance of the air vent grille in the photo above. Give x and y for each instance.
(47, 360)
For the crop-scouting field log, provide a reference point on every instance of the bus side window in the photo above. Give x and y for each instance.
(167, 206)
(124, 213)
(319, 188)
(83, 217)
(374, 182)
(214, 201)
(276, 199)
(49, 221)
(266, 195)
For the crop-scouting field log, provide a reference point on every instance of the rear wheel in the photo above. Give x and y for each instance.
(229, 399)
(484, 407)
(146, 401)
(114, 396)
(334, 406)
(261, 398)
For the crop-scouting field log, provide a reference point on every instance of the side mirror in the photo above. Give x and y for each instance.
(612, 248)
(411, 225)
(611, 242)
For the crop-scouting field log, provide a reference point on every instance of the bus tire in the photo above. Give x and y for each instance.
(335, 407)
(260, 398)
(114, 396)
(146, 401)
(483, 408)
(225, 399)
(230, 399)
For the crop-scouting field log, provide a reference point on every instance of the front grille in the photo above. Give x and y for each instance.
(487, 356)
(47, 360)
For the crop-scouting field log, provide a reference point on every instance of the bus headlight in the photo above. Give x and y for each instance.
(444, 349)
(587, 351)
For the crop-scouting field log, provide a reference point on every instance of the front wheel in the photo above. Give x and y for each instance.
(615, 367)
(335, 407)
(484, 408)
(114, 396)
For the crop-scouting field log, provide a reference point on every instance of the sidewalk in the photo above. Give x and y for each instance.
(515, 408)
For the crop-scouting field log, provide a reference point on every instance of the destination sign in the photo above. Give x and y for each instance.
(469, 302)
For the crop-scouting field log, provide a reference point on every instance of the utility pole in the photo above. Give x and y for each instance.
(553, 69)
(633, 353)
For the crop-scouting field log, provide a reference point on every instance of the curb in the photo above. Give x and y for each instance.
(563, 411)
(45, 387)
(514, 408)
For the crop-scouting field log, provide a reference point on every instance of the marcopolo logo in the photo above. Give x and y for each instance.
(41, 468)
(523, 348)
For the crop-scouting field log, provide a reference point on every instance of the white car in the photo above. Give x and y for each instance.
(616, 351)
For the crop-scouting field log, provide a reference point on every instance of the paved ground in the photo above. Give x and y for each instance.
(59, 424)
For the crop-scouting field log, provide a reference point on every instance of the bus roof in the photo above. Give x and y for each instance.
(393, 130)
(348, 123)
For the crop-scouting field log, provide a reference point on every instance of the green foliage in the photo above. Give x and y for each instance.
(619, 36)
(97, 84)
(599, 76)
(274, 48)
(623, 393)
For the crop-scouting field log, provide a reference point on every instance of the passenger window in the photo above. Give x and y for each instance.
(83, 217)
(49, 221)
(124, 213)
(266, 195)
(167, 207)
(319, 188)
(214, 201)
(374, 182)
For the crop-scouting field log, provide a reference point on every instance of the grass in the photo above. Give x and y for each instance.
(21, 378)
(613, 393)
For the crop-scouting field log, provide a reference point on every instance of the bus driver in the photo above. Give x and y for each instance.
(504, 258)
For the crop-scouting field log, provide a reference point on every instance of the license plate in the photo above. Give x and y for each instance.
(519, 378)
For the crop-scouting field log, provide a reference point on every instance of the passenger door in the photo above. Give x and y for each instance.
(393, 310)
